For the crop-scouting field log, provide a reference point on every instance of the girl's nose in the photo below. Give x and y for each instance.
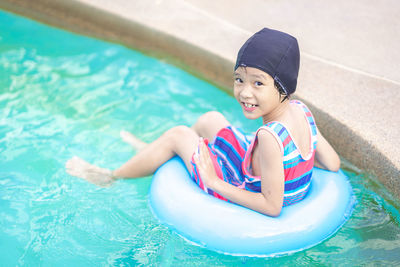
(246, 92)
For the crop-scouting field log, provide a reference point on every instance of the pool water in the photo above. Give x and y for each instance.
(62, 95)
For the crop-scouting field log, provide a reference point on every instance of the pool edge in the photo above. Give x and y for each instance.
(83, 17)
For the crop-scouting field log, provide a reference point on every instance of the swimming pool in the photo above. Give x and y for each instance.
(62, 95)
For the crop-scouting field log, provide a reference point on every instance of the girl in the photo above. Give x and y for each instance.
(264, 173)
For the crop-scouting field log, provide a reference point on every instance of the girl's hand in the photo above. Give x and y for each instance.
(205, 165)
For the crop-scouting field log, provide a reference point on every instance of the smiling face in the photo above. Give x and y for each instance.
(255, 91)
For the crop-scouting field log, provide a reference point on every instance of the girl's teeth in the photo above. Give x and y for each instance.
(249, 105)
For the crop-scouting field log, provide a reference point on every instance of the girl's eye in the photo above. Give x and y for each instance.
(238, 80)
(258, 83)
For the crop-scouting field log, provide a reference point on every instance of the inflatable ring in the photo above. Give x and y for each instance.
(221, 226)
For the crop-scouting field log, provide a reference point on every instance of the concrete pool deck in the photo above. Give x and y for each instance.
(349, 56)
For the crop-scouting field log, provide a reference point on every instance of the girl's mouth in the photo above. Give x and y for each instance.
(249, 107)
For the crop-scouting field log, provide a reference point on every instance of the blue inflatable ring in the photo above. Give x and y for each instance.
(231, 229)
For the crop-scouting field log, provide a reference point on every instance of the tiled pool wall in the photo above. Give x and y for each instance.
(85, 19)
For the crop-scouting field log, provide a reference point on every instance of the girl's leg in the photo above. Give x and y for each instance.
(135, 142)
(180, 140)
(206, 126)
(209, 124)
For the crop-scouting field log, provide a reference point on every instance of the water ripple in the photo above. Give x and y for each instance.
(72, 96)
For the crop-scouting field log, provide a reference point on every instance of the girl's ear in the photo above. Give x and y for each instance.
(284, 98)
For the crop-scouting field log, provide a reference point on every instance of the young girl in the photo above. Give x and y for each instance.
(264, 173)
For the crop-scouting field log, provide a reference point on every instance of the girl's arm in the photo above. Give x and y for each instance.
(325, 156)
(270, 200)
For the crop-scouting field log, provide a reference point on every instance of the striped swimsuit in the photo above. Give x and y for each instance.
(231, 153)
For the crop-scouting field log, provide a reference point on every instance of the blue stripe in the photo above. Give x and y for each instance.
(195, 174)
(210, 192)
(230, 153)
(290, 186)
(299, 178)
(229, 174)
(293, 161)
(289, 148)
(299, 189)
(254, 187)
(277, 127)
(290, 164)
(281, 131)
(294, 199)
(242, 137)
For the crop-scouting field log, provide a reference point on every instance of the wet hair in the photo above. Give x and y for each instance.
(282, 91)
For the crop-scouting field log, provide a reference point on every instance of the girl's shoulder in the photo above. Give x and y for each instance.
(305, 109)
(301, 111)
(307, 114)
(294, 136)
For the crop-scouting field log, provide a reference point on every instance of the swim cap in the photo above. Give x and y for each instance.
(274, 52)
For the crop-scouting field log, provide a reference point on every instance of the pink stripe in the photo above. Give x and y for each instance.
(219, 196)
(294, 199)
(217, 168)
(287, 140)
(247, 158)
(298, 170)
(230, 137)
(214, 161)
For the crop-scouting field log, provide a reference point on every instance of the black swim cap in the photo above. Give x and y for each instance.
(274, 52)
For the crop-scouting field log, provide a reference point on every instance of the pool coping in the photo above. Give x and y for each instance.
(206, 46)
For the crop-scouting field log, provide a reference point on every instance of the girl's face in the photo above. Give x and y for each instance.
(255, 91)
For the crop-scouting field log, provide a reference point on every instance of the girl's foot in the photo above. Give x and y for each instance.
(129, 138)
(93, 174)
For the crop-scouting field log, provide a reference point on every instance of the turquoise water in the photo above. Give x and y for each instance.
(62, 95)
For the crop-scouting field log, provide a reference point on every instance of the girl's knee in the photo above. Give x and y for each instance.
(178, 133)
(183, 141)
(208, 117)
